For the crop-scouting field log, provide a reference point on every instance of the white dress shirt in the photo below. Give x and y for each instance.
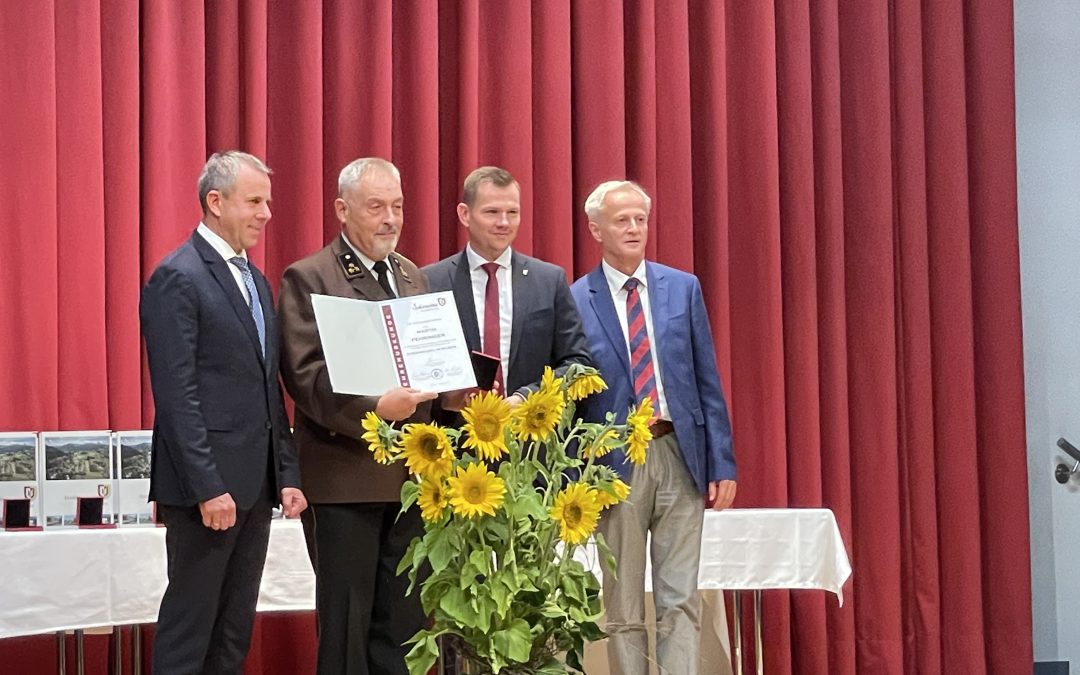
(225, 250)
(615, 280)
(506, 300)
(370, 265)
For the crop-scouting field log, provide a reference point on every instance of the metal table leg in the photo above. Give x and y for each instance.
(759, 656)
(136, 649)
(117, 639)
(79, 664)
(736, 611)
(61, 653)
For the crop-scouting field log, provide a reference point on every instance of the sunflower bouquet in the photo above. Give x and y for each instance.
(506, 500)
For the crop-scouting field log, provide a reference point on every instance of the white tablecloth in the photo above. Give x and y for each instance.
(64, 579)
(745, 549)
(748, 549)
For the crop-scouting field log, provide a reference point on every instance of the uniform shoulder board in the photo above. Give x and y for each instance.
(350, 265)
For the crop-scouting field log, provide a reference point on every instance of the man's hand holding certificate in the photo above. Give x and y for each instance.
(413, 342)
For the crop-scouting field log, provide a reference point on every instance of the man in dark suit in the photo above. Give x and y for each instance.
(512, 306)
(648, 334)
(354, 534)
(221, 455)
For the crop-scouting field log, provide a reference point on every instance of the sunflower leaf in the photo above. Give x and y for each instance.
(485, 607)
(607, 558)
(409, 559)
(410, 490)
(515, 642)
(441, 550)
(500, 594)
(481, 558)
(422, 656)
(456, 605)
(530, 506)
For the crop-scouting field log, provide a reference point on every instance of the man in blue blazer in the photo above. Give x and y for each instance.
(648, 334)
(221, 455)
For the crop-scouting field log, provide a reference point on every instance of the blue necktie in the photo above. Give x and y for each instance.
(255, 305)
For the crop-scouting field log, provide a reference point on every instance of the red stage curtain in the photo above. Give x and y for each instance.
(840, 175)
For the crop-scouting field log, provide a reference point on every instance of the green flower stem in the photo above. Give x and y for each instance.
(568, 553)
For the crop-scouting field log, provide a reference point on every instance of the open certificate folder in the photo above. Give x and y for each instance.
(373, 347)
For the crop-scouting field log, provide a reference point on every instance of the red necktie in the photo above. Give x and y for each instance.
(492, 335)
(641, 364)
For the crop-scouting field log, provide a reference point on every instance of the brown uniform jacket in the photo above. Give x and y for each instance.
(335, 465)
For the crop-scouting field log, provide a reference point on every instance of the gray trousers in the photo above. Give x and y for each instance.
(664, 501)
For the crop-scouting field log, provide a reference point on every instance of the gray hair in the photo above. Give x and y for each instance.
(358, 168)
(595, 203)
(220, 172)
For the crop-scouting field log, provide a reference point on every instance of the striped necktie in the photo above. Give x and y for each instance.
(253, 302)
(641, 363)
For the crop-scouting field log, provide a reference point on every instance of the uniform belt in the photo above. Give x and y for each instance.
(661, 428)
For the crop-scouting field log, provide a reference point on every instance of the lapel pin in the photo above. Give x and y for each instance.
(525, 273)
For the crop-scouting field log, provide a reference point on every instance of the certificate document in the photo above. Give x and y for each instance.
(373, 347)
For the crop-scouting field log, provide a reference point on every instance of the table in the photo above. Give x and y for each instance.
(761, 549)
(76, 579)
(71, 579)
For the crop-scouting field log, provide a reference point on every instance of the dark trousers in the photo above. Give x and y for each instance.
(364, 614)
(206, 616)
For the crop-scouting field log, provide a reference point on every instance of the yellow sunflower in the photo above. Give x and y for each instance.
(550, 383)
(475, 491)
(639, 434)
(371, 424)
(433, 499)
(427, 450)
(485, 419)
(585, 386)
(576, 510)
(619, 492)
(602, 445)
(642, 414)
(538, 416)
(637, 442)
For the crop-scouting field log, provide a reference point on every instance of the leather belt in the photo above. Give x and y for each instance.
(661, 428)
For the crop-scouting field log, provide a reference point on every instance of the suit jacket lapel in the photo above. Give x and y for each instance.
(463, 296)
(658, 308)
(406, 284)
(658, 304)
(603, 306)
(520, 291)
(220, 271)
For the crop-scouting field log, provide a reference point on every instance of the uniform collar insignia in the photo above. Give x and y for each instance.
(350, 265)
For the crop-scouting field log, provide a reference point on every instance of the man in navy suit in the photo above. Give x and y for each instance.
(648, 334)
(512, 306)
(221, 457)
